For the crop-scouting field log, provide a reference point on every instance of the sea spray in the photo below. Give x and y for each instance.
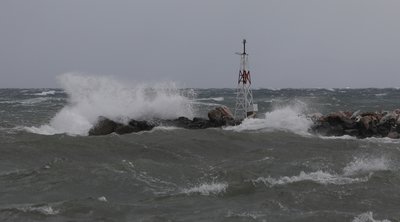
(366, 165)
(290, 118)
(92, 96)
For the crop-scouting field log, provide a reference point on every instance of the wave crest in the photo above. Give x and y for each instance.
(320, 177)
(207, 189)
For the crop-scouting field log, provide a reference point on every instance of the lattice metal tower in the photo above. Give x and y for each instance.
(244, 107)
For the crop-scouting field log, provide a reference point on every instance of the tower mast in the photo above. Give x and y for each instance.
(244, 107)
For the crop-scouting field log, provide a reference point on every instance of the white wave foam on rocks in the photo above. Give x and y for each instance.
(92, 96)
(290, 118)
(207, 189)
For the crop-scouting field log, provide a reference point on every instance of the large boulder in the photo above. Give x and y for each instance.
(134, 126)
(103, 126)
(124, 129)
(142, 125)
(199, 123)
(220, 115)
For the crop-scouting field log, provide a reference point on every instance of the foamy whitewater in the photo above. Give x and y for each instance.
(91, 97)
(290, 118)
(265, 169)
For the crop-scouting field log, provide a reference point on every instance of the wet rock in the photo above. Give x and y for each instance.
(141, 125)
(326, 129)
(200, 123)
(106, 126)
(134, 126)
(214, 115)
(361, 125)
(314, 116)
(124, 129)
(182, 122)
(103, 126)
(220, 115)
(335, 124)
(393, 135)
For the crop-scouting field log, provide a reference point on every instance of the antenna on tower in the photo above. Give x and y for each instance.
(244, 108)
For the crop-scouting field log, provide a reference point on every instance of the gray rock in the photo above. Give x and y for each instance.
(220, 115)
(103, 126)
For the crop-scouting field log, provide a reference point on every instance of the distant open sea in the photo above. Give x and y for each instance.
(266, 169)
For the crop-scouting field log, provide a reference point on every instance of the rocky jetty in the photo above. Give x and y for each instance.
(357, 124)
(218, 117)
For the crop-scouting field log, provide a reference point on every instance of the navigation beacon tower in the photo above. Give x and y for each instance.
(244, 107)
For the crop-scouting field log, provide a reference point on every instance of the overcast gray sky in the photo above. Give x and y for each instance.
(292, 43)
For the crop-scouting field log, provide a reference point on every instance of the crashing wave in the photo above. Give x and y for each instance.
(290, 118)
(91, 96)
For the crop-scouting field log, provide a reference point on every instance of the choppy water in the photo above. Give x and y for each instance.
(267, 169)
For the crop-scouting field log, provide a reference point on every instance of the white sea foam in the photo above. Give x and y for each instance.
(383, 140)
(46, 210)
(33, 101)
(363, 167)
(45, 93)
(366, 165)
(289, 118)
(166, 128)
(367, 217)
(320, 177)
(207, 189)
(92, 96)
(252, 215)
(218, 99)
(344, 137)
(102, 199)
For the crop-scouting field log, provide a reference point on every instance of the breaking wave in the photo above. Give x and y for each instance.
(363, 167)
(290, 118)
(320, 177)
(207, 189)
(91, 96)
(46, 210)
(45, 93)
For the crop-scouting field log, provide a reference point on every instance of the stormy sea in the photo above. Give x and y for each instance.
(266, 169)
